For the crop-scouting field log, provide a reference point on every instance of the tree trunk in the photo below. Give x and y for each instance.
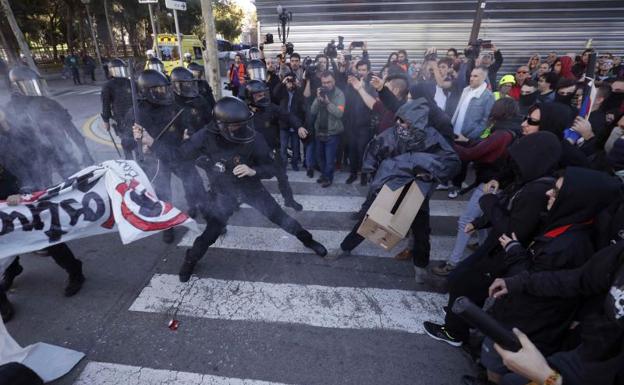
(211, 57)
(19, 36)
(110, 29)
(9, 49)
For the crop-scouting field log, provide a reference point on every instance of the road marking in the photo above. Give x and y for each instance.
(314, 305)
(102, 373)
(347, 204)
(277, 240)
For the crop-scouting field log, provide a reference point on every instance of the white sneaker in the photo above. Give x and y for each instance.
(419, 274)
(453, 193)
(442, 187)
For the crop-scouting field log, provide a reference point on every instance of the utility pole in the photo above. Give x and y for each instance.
(178, 37)
(211, 56)
(110, 30)
(97, 48)
(10, 53)
(19, 35)
(476, 24)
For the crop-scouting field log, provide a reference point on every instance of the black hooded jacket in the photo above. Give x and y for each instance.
(564, 243)
(556, 117)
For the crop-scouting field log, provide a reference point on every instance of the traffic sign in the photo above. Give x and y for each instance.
(178, 5)
(148, 1)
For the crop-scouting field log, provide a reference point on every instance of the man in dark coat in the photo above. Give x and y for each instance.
(116, 102)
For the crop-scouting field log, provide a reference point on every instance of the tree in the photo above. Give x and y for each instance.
(228, 19)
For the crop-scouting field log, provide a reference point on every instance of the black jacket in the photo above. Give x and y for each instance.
(358, 117)
(295, 116)
(602, 337)
(564, 243)
(266, 123)
(197, 112)
(116, 99)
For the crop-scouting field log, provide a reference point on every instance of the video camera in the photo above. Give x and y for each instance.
(474, 48)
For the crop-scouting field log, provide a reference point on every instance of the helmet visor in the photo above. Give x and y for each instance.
(161, 95)
(30, 87)
(258, 73)
(186, 89)
(118, 72)
(197, 74)
(239, 132)
(254, 55)
(260, 99)
(156, 66)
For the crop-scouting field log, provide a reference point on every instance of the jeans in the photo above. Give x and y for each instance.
(473, 211)
(326, 155)
(290, 136)
(310, 154)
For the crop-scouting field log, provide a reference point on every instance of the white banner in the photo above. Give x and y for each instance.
(113, 196)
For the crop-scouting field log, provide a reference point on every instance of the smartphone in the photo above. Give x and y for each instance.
(357, 44)
(489, 326)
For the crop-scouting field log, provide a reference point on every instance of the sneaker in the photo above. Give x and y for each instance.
(438, 332)
(453, 193)
(337, 254)
(443, 270)
(326, 183)
(321, 179)
(420, 273)
(442, 187)
(351, 178)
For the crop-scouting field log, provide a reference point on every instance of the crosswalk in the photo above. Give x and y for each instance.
(239, 294)
(79, 91)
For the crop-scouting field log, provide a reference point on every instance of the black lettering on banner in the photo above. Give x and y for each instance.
(55, 232)
(85, 210)
(8, 219)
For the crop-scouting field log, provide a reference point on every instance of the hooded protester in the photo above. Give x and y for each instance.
(517, 209)
(409, 151)
(564, 243)
(599, 359)
(563, 68)
(528, 96)
(490, 159)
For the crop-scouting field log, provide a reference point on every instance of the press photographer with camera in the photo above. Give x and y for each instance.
(293, 67)
(312, 75)
(292, 116)
(328, 107)
(446, 89)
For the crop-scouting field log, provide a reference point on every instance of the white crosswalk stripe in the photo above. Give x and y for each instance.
(320, 306)
(277, 240)
(101, 373)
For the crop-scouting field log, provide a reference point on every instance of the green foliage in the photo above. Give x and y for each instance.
(228, 19)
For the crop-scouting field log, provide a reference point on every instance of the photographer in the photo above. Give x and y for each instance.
(358, 119)
(294, 67)
(328, 107)
(292, 116)
(312, 74)
(447, 90)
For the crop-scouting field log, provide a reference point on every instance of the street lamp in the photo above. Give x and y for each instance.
(95, 44)
(283, 29)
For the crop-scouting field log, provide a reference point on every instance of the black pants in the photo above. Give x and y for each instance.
(282, 178)
(194, 190)
(128, 144)
(222, 205)
(62, 255)
(358, 139)
(75, 75)
(461, 177)
(14, 373)
(420, 230)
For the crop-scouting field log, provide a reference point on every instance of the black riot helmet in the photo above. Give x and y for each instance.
(27, 81)
(254, 53)
(233, 120)
(256, 70)
(154, 63)
(184, 83)
(117, 68)
(155, 88)
(257, 93)
(197, 70)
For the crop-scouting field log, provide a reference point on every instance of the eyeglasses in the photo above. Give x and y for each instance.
(530, 121)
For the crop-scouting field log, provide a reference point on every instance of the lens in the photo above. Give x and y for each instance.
(118, 72)
(186, 89)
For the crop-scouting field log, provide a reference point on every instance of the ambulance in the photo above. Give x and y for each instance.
(168, 49)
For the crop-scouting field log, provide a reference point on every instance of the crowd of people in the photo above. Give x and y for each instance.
(545, 209)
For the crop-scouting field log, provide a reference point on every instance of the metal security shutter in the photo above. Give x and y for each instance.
(518, 28)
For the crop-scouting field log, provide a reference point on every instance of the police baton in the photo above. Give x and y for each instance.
(113, 140)
(135, 107)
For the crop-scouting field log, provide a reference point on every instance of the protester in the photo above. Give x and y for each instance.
(546, 85)
(236, 74)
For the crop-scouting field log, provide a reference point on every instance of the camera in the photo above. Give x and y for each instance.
(228, 86)
(340, 45)
(474, 48)
(323, 92)
(432, 56)
(290, 48)
(331, 51)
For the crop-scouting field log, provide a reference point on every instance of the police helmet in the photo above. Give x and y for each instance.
(254, 53)
(184, 83)
(256, 70)
(257, 93)
(155, 88)
(197, 70)
(117, 68)
(233, 120)
(154, 63)
(27, 81)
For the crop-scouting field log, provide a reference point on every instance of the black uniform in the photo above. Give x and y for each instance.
(219, 155)
(53, 126)
(206, 92)
(116, 102)
(197, 114)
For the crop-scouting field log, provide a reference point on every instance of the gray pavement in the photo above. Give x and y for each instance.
(239, 339)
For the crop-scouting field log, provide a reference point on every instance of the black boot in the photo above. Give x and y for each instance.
(192, 212)
(306, 238)
(6, 309)
(363, 179)
(10, 273)
(76, 279)
(351, 178)
(293, 204)
(168, 236)
(186, 269)
(310, 173)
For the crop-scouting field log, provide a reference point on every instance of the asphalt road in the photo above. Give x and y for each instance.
(260, 309)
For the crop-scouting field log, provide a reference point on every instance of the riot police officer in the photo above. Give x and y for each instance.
(116, 102)
(235, 160)
(49, 122)
(159, 116)
(156, 64)
(204, 88)
(197, 110)
(266, 121)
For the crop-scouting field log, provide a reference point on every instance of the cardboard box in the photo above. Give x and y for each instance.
(390, 216)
